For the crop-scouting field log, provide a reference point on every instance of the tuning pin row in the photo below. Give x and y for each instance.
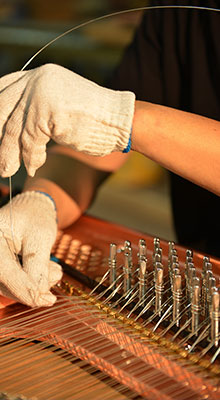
(202, 297)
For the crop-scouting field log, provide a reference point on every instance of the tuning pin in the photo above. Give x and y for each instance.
(215, 317)
(142, 250)
(159, 287)
(143, 281)
(177, 297)
(113, 265)
(127, 269)
(195, 306)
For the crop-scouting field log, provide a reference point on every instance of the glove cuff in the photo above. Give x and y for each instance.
(114, 130)
(108, 118)
(34, 195)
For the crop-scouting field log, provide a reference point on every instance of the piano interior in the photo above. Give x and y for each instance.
(136, 317)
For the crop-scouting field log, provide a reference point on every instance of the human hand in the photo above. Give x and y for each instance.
(33, 232)
(51, 102)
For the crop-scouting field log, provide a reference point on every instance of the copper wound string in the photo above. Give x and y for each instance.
(92, 339)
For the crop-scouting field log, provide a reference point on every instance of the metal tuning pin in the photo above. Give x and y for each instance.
(157, 259)
(195, 306)
(156, 243)
(113, 265)
(205, 293)
(127, 245)
(177, 297)
(204, 270)
(215, 317)
(189, 254)
(127, 269)
(211, 286)
(156, 247)
(143, 281)
(142, 251)
(191, 276)
(159, 287)
(175, 271)
(174, 262)
(171, 246)
(189, 260)
(171, 251)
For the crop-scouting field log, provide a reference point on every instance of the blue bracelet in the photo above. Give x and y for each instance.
(128, 148)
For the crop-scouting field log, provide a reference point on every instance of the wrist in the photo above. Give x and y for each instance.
(139, 126)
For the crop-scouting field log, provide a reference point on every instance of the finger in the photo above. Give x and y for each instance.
(17, 283)
(55, 273)
(11, 90)
(10, 151)
(10, 154)
(34, 141)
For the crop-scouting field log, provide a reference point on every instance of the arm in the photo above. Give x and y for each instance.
(59, 104)
(72, 179)
(184, 143)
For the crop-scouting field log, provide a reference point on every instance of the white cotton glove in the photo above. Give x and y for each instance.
(34, 232)
(51, 102)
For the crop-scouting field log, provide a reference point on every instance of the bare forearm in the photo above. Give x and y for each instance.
(184, 143)
(72, 179)
(68, 211)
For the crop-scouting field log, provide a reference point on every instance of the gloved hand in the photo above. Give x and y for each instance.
(34, 232)
(51, 102)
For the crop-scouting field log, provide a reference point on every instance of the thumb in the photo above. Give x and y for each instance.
(15, 282)
(55, 273)
(35, 260)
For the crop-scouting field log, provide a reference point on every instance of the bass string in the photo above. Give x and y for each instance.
(42, 320)
(149, 376)
(47, 325)
(100, 347)
(74, 28)
(76, 332)
(44, 363)
(53, 313)
(60, 370)
(27, 318)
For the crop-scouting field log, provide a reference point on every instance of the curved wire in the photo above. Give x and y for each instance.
(113, 14)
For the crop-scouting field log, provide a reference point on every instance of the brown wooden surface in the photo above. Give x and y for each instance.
(100, 234)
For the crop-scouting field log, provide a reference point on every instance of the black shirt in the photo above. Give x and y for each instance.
(174, 60)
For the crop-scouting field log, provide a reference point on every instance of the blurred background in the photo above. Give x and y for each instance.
(138, 195)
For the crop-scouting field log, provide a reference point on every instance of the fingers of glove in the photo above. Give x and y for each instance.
(11, 91)
(18, 283)
(34, 141)
(36, 299)
(34, 154)
(10, 155)
(55, 273)
(10, 148)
